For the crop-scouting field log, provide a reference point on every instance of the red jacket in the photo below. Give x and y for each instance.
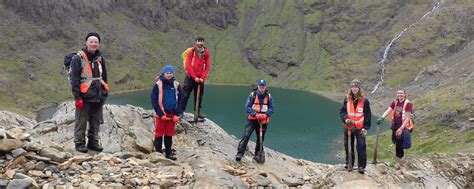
(201, 65)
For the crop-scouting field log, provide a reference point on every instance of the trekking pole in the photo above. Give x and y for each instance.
(374, 161)
(261, 155)
(349, 148)
(196, 107)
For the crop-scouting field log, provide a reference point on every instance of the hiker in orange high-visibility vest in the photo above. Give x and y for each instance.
(198, 64)
(356, 115)
(166, 99)
(90, 90)
(259, 108)
(402, 110)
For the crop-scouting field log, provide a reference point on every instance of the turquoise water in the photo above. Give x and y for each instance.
(304, 125)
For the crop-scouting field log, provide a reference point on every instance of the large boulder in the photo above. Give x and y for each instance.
(125, 129)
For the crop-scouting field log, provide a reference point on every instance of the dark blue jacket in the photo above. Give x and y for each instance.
(169, 100)
(261, 97)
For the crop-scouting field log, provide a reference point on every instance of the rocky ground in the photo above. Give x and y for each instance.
(41, 155)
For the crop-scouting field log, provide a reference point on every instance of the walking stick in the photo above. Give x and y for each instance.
(374, 161)
(196, 107)
(349, 148)
(261, 155)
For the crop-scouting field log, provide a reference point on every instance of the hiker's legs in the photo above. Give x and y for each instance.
(257, 131)
(346, 142)
(245, 138)
(398, 145)
(82, 116)
(94, 118)
(361, 150)
(187, 88)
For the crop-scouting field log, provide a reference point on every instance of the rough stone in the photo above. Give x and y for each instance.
(54, 154)
(18, 152)
(20, 184)
(261, 180)
(7, 145)
(28, 166)
(40, 165)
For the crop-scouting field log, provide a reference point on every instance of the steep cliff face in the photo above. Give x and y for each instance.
(46, 158)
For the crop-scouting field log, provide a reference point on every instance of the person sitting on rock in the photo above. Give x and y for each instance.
(401, 119)
(166, 99)
(259, 108)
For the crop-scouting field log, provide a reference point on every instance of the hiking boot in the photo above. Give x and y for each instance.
(95, 146)
(81, 148)
(202, 116)
(361, 170)
(171, 157)
(348, 168)
(238, 157)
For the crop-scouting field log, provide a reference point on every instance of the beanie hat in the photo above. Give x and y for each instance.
(262, 82)
(168, 69)
(93, 34)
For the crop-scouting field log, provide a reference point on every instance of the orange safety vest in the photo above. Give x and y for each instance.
(86, 73)
(410, 123)
(257, 109)
(355, 114)
(160, 94)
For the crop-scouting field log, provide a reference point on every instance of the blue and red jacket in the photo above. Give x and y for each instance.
(170, 104)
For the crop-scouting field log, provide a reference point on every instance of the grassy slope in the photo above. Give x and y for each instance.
(348, 44)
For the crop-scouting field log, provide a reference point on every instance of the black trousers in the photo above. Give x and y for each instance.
(398, 141)
(361, 148)
(190, 85)
(89, 114)
(251, 126)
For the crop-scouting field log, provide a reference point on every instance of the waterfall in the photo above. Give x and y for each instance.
(384, 59)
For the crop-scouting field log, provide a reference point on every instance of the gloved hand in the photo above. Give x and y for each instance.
(258, 116)
(175, 119)
(264, 116)
(79, 104)
(197, 80)
(164, 118)
(380, 120)
(363, 132)
(348, 122)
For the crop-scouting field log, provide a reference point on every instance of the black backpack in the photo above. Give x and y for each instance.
(67, 64)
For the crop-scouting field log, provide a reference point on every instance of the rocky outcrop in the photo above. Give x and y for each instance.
(205, 159)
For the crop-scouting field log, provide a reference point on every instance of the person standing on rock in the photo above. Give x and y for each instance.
(198, 64)
(356, 115)
(166, 99)
(259, 108)
(90, 90)
(401, 120)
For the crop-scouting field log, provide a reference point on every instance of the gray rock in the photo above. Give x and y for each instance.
(21, 176)
(86, 166)
(10, 120)
(261, 180)
(125, 155)
(18, 152)
(54, 154)
(3, 183)
(156, 157)
(32, 147)
(20, 184)
(293, 182)
(40, 165)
